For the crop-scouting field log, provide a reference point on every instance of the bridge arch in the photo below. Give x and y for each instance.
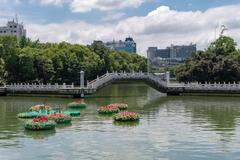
(156, 81)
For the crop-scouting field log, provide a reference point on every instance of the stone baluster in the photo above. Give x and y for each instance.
(72, 86)
(167, 75)
(82, 79)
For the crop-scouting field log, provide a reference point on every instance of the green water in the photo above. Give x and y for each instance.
(181, 128)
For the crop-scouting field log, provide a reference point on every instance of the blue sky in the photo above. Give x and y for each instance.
(150, 22)
(50, 12)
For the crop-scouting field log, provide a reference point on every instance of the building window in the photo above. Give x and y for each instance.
(15, 31)
(15, 26)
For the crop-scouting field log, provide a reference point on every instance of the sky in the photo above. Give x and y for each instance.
(158, 23)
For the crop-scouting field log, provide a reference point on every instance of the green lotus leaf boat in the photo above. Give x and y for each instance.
(39, 123)
(60, 118)
(28, 115)
(77, 104)
(72, 113)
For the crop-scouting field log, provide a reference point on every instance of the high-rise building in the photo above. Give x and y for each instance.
(13, 29)
(170, 55)
(128, 45)
(172, 52)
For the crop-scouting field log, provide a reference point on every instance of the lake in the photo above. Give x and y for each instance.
(170, 128)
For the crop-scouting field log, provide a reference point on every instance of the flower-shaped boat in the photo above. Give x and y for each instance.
(39, 123)
(77, 104)
(121, 106)
(126, 116)
(108, 109)
(60, 118)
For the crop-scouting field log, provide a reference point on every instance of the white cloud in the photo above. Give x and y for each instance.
(51, 2)
(160, 27)
(89, 5)
(112, 16)
(104, 5)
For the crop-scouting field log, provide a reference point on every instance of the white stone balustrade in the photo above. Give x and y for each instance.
(37, 87)
(161, 81)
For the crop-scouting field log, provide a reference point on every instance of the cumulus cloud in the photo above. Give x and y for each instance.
(89, 5)
(112, 16)
(104, 5)
(51, 2)
(160, 27)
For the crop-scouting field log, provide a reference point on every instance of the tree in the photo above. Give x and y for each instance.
(219, 63)
(32, 61)
(222, 46)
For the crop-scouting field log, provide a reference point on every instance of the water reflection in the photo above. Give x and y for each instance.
(62, 126)
(105, 117)
(126, 124)
(39, 134)
(218, 114)
(170, 128)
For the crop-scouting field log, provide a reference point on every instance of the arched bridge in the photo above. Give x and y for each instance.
(160, 82)
(157, 81)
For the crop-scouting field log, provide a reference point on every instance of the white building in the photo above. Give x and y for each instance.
(13, 29)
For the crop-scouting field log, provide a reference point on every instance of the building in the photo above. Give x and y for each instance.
(128, 45)
(13, 29)
(170, 56)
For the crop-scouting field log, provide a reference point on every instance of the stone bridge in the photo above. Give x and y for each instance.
(159, 81)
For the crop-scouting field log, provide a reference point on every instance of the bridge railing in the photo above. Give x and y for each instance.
(108, 77)
(212, 86)
(207, 86)
(34, 86)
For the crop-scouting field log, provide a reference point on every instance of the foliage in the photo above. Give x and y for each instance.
(32, 61)
(110, 109)
(40, 123)
(126, 116)
(60, 118)
(39, 107)
(121, 106)
(77, 104)
(219, 63)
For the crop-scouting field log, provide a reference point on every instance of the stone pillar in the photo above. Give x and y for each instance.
(82, 79)
(167, 78)
(72, 85)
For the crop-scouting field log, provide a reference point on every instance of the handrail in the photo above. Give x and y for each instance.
(156, 79)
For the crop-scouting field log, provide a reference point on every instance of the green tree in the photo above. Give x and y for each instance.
(219, 63)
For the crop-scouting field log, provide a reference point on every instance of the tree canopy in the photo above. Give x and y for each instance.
(220, 62)
(33, 61)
